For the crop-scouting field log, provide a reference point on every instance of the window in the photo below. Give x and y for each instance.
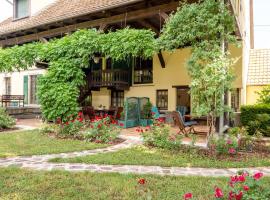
(117, 98)
(21, 8)
(7, 86)
(143, 71)
(162, 99)
(33, 89)
(235, 99)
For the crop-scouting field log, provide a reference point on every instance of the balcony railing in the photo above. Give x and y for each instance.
(114, 78)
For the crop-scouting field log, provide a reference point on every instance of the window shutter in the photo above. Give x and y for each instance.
(25, 89)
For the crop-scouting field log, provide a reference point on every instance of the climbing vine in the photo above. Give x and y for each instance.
(59, 88)
(204, 26)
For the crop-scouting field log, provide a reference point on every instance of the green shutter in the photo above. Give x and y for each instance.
(38, 76)
(25, 89)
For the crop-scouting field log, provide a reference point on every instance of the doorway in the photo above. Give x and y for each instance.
(183, 98)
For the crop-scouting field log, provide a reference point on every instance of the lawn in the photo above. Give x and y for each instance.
(34, 143)
(157, 157)
(31, 185)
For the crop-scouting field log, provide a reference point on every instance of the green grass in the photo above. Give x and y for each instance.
(157, 157)
(34, 143)
(32, 185)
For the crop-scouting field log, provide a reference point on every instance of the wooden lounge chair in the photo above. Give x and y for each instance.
(184, 127)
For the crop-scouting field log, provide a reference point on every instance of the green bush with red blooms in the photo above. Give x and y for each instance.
(224, 145)
(100, 130)
(159, 135)
(103, 130)
(242, 186)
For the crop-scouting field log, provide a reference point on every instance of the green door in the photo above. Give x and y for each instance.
(25, 89)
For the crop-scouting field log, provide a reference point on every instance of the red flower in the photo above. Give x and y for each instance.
(242, 178)
(91, 126)
(121, 124)
(218, 193)
(67, 123)
(99, 126)
(80, 114)
(80, 119)
(258, 176)
(188, 196)
(142, 181)
(231, 195)
(246, 188)
(239, 196)
(232, 151)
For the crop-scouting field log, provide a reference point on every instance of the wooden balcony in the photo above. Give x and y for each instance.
(112, 78)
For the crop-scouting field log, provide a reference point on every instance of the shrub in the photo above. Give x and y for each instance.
(256, 118)
(102, 130)
(224, 145)
(264, 95)
(158, 135)
(5, 120)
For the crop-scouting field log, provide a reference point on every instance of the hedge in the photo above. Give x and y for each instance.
(250, 114)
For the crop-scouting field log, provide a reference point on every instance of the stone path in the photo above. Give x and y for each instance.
(40, 162)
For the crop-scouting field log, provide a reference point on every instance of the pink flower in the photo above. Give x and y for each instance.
(232, 151)
(229, 141)
(246, 188)
(188, 196)
(218, 193)
(258, 176)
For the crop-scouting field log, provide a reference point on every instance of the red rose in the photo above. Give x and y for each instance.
(258, 176)
(246, 188)
(218, 193)
(239, 196)
(80, 114)
(100, 125)
(142, 181)
(188, 196)
(242, 178)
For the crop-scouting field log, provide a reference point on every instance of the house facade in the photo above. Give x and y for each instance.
(164, 78)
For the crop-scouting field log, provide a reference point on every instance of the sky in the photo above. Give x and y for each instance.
(261, 20)
(262, 23)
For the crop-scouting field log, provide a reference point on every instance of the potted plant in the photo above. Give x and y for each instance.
(146, 116)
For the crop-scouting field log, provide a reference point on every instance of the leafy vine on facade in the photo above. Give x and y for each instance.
(203, 26)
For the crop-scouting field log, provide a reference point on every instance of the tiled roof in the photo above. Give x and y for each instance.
(259, 67)
(60, 10)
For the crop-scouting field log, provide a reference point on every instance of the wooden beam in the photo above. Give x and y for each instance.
(139, 14)
(161, 59)
(164, 15)
(102, 27)
(44, 40)
(146, 24)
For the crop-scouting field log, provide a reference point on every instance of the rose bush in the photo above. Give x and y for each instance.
(224, 145)
(159, 135)
(242, 186)
(101, 129)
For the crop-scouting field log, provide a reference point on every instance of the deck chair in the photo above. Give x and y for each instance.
(184, 127)
(182, 110)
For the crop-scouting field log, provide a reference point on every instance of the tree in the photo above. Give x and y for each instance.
(204, 26)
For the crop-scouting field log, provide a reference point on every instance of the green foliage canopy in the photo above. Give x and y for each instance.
(59, 88)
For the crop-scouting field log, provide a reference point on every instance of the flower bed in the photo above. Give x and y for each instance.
(99, 130)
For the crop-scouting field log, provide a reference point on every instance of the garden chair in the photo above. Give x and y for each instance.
(182, 110)
(156, 114)
(184, 127)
